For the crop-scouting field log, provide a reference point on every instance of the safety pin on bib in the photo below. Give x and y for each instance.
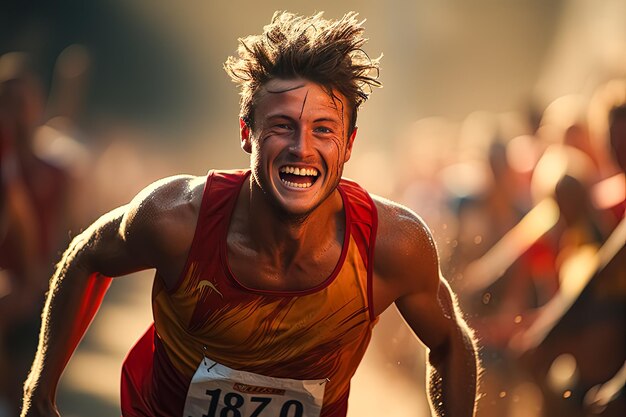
(204, 358)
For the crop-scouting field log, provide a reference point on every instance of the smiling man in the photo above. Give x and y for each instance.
(268, 280)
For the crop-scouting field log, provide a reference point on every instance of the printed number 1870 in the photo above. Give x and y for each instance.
(233, 402)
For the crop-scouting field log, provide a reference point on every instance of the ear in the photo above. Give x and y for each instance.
(244, 134)
(349, 145)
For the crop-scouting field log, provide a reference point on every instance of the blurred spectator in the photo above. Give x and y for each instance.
(512, 263)
(498, 306)
(19, 279)
(576, 348)
(507, 283)
(33, 195)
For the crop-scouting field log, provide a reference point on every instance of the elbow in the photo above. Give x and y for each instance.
(459, 346)
(77, 257)
(438, 354)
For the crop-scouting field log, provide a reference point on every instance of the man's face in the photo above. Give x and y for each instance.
(298, 144)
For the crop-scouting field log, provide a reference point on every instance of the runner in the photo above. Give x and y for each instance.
(268, 280)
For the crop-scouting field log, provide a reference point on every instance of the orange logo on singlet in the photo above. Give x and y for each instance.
(252, 389)
(204, 284)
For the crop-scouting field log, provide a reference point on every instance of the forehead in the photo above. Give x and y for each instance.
(298, 96)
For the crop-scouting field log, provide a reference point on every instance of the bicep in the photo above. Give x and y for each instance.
(408, 264)
(105, 247)
(154, 230)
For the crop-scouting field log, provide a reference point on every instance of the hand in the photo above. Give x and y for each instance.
(32, 413)
(600, 397)
(597, 399)
(32, 408)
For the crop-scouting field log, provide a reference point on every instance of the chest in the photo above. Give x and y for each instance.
(282, 271)
(224, 315)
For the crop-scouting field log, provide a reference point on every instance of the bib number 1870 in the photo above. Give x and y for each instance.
(234, 402)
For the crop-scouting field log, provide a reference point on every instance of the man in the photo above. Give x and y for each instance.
(268, 281)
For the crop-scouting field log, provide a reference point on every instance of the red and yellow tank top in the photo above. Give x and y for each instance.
(319, 333)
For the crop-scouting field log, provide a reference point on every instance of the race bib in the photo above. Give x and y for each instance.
(219, 391)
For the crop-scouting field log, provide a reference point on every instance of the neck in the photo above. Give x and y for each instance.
(285, 236)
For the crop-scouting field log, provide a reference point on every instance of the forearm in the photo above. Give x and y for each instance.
(75, 294)
(452, 377)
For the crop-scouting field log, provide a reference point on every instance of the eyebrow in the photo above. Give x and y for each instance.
(279, 116)
(326, 119)
(318, 120)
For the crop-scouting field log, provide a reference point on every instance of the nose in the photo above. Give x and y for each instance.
(302, 145)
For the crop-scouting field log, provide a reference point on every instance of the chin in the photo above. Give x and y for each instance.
(292, 209)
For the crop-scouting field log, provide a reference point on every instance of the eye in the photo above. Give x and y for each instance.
(283, 126)
(323, 129)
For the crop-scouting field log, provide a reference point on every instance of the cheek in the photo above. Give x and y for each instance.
(256, 154)
(264, 149)
(335, 146)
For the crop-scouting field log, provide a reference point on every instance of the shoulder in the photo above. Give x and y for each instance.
(405, 254)
(161, 219)
(168, 195)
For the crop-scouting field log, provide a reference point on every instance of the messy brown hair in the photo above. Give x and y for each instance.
(324, 51)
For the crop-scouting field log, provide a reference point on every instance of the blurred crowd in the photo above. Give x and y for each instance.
(48, 171)
(527, 209)
(528, 212)
(39, 160)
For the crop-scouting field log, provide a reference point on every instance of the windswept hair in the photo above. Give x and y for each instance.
(327, 52)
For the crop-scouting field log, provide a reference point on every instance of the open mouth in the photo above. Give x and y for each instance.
(298, 177)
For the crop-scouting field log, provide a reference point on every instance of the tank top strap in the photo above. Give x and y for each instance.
(363, 225)
(218, 200)
(221, 191)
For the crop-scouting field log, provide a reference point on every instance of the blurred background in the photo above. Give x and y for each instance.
(501, 123)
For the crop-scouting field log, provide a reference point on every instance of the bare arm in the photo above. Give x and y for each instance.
(452, 362)
(408, 271)
(150, 232)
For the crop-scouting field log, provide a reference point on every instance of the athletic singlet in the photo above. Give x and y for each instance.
(316, 334)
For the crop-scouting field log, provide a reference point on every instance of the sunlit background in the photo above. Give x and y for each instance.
(135, 90)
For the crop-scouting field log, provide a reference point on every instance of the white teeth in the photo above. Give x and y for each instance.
(296, 185)
(311, 172)
(303, 172)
